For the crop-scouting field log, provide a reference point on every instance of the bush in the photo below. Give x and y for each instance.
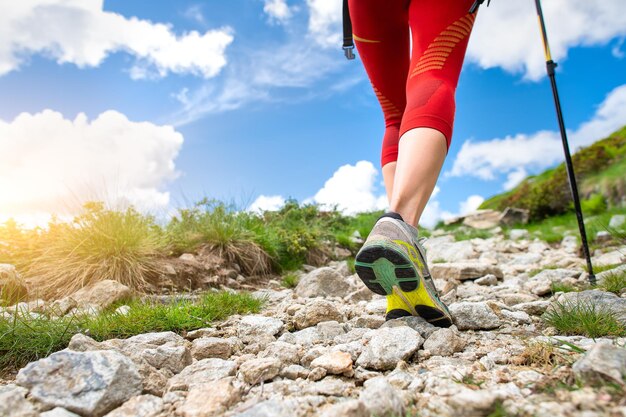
(595, 204)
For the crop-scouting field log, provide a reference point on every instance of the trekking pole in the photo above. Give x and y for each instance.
(550, 66)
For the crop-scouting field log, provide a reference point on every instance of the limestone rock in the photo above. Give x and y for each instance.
(212, 347)
(388, 346)
(141, 405)
(254, 325)
(444, 342)
(13, 402)
(541, 283)
(59, 412)
(445, 249)
(424, 328)
(91, 383)
(603, 362)
(321, 282)
(381, 399)
(102, 294)
(488, 279)
(316, 312)
(200, 372)
(211, 399)
(617, 220)
(269, 408)
(283, 351)
(464, 270)
(474, 316)
(348, 408)
(512, 216)
(482, 219)
(258, 370)
(334, 362)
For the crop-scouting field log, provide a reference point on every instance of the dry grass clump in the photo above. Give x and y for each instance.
(99, 244)
(543, 355)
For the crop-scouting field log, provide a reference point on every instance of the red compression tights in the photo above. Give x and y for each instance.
(415, 88)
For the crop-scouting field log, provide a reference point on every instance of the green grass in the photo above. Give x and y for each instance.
(614, 282)
(556, 286)
(24, 338)
(583, 318)
(290, 280)
(99, 244)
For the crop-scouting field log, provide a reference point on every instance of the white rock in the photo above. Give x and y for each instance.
(617, 220)
(488, 279)
(210, 399)
(59, 412)
(316, 312)
(334, 362)
(212, 347)
(13, 402)
(517, 234)
(463, 270)
(347, 408)
(102, 294)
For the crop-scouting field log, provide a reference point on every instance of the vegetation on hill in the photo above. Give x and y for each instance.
(600, 173)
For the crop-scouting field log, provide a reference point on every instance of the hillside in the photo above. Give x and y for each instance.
(600, 170)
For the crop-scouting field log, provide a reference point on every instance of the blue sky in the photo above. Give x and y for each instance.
(253, 98)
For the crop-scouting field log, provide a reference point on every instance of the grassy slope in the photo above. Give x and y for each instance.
(599, 168)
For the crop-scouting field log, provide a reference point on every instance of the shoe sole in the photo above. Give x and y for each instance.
(382, 267)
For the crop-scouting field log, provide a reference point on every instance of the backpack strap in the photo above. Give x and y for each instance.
(348, 41)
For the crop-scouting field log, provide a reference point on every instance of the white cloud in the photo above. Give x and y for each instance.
(50, 164)
(351, 189)
(278, 10)
(470, 204)
(506, 34)
(267, 203)
(82, 33)
(433, 212)
(325, 17)
(513, 154)
(513, 178)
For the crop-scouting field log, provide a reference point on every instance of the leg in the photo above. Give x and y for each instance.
(381, 33)
(440, 30)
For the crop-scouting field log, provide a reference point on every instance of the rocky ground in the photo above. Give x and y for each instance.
(324, 349)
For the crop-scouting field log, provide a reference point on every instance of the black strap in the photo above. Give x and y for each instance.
(348, 41)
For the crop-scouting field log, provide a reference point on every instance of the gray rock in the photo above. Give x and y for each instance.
(90, 383)
(570, 244)
(489, 279)
(602, 276)
(331, 386)
(603, 362)
(200, 372)
(254, 325)
(306, 337)
(102, 294)
(268, 408)
(323, 282)
(517, 234)
(316, 312)
(284, 352)
(141, 405)
(13, 402)
(212, 347)
(388, 346)
(294, 372)
(534, 308)
(512, 216)
(541, 283)
(600, 300)
(482, 219)
(617, 220)
(381, 398)
(424, 328)
(347, 408)
(445, 249)
(464, 270)
(474, 316)
(444, 342)
(329, 330)
(258, 370)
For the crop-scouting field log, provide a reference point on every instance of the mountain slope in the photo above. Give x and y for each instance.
(600, 173)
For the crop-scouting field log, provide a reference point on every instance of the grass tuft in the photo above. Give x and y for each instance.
(290, 280)
(583, 318)
(25, 336)
(614, 282)
(100, 244)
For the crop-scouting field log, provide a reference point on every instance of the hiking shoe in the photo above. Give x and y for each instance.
(392, 262)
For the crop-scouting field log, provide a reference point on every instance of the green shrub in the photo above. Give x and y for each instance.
(595, 204)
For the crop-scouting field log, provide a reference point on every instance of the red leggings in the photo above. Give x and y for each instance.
(415, 89)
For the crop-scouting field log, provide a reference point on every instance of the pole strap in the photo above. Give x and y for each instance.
(348, 41)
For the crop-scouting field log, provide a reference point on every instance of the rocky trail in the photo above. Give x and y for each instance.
(324, 349)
